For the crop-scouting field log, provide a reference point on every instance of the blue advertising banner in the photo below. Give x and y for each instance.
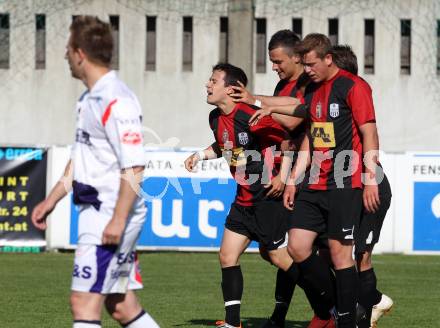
(185, 210)
(426, 216)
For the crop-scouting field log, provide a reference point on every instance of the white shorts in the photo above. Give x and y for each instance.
(108, 269)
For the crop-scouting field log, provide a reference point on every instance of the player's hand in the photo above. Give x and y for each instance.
(258, 115)
(371, 198)
(40, 213)
(241, 94)
(113, 232)
(191, 162)
(276, 187)
(289, 196)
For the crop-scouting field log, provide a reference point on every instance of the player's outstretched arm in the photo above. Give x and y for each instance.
(210, 152)
(61, 189)
(129, 188)
(289, 116)
(370, 147)
(241, 94)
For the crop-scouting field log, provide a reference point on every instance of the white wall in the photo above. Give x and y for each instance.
(36, 106)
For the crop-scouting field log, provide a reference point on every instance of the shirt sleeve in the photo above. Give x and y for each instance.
(360, 101)
(123, 127)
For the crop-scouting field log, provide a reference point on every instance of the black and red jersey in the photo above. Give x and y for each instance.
(291, 88)
(288, 88)
(247, 149)
(337, 108)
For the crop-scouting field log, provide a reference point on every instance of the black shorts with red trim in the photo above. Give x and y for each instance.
(264, 222)
(371, 223)
(335, 212)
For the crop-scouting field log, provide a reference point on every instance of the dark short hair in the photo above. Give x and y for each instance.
(232, 74)
(94, 37)
(314, 41)
(345, 58)
(286, 39)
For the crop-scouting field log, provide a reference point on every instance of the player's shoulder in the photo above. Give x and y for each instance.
(351, 79)
(246, 108)
(116, 94)
(214, 114)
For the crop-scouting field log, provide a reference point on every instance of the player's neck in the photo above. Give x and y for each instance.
(332, 72)
(93, 74)
(227, 106)
(296, 75)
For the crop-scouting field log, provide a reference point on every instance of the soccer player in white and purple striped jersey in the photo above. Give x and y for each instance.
(106, 166)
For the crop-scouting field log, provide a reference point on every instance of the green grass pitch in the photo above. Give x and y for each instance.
(183, 290)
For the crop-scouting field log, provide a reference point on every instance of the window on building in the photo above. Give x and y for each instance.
(333, 30)
(40, 41)
(405, 46)
(187, 45)
(438, 47)
(261, 45)
(369, 47)
(150, 52)
(4, 40)
(114, 23)
(223, 55)
(297, 26)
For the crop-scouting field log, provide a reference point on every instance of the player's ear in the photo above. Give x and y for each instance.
(81, 54)
(328, 59)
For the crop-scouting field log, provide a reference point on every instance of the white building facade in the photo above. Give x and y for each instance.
(167, 49)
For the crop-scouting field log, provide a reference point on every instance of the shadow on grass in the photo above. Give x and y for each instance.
(247, 323)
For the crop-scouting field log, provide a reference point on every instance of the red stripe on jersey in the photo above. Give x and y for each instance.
(356, 178)
(287, 90)
(107, 112)
(319, 114)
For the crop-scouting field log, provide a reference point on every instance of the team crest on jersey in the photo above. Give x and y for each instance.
(334, 110)
(318, 110)
(243, 138)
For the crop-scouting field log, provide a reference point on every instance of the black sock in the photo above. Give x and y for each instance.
(316, 279)
(232, 287)
(368, 293)
(320, 308)
(346, 296)
(285, 285)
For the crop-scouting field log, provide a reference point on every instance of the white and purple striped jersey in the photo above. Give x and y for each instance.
(108, 139)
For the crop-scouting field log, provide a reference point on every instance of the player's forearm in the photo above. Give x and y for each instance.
(370, 147)
(129, 189)
(208, 153)
(277, 101)
(302, 163)
(63, 186)
(286, 161)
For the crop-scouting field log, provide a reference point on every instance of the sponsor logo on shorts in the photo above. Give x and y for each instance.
(120, 274)
(84, 272)
(278, 241)
(349, 236)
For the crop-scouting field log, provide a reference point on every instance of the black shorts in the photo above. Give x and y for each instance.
(265, 222)
(371, 223)
(336, 212)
